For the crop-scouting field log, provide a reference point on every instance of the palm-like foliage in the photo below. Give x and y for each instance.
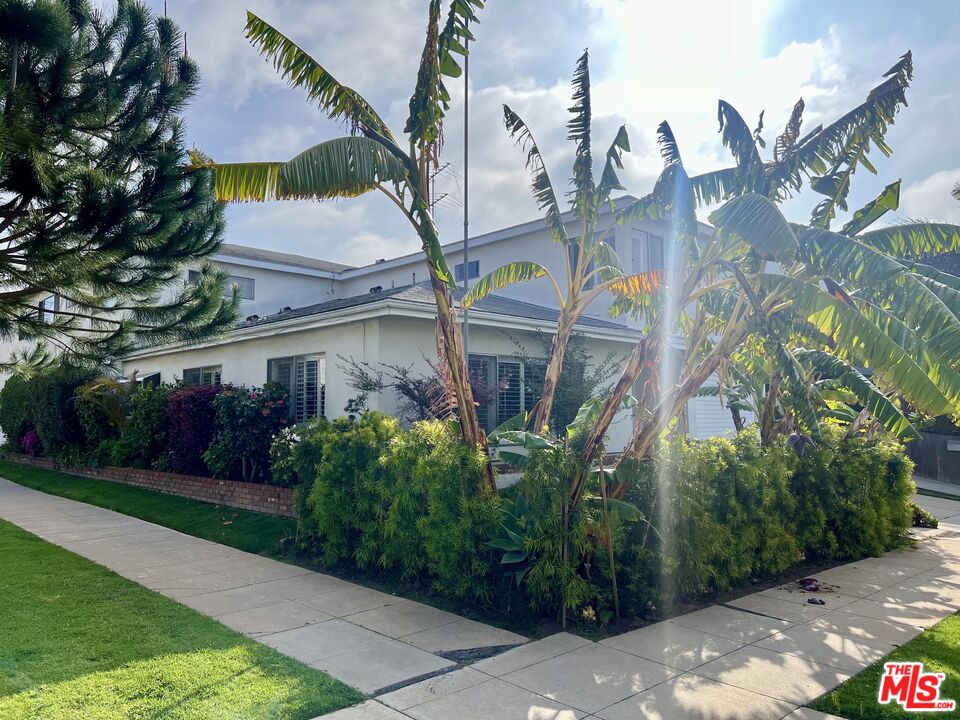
(371, 158)
(817, 303)
(592, 266)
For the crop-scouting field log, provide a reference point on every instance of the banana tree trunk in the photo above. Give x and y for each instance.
(452, 349)
(673, 401)
(551, 379)
(637, 361)
(768, 417)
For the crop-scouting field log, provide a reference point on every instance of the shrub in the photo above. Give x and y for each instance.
(853, 497)
(191, 425)
(144, 439)
(433, 484)
(55, 412)
(16, 410)
(246, 422)
(96, 426)
(922, 518)
(720, 513)
(343, 458)
(554, 579)
(402, 502)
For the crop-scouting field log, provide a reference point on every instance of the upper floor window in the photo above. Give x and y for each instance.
(647, 252)
(474, 271)
(47, 308)
(244, 284)
(206, 375)
(573, 251)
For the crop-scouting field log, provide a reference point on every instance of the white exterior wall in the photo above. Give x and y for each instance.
(244, 361)
(534, 243)
(393, 339)
(278, 288)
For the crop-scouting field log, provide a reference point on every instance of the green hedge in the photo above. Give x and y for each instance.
(737, 512)
(720, 513)
(45, 403)
(402, 503)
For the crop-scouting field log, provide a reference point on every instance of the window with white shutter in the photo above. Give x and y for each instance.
(304, 377)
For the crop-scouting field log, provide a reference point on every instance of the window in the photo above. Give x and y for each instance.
(480, 367)
(509, 389)
(151, 380)
(304, 377)
(207, 375)
(47, 308)
(516, 387)
(474, 271)
(244, 284)
(573, 251)
(647, 252)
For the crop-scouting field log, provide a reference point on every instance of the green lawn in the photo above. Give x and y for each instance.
(937, 648)
(78, 641)
(244, 530)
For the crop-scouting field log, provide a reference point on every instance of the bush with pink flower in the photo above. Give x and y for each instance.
(246, 420)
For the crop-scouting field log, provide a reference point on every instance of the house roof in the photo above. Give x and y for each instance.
(280, 258)
(422, 294)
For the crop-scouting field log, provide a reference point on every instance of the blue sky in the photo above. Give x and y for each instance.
(650, 61)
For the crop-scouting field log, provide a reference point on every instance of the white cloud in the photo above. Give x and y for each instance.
(272, 142)
(650, 61)
(930, 198)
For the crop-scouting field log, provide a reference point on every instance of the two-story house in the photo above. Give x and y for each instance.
(305, 316)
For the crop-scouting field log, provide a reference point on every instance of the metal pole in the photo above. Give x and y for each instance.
(466, 196)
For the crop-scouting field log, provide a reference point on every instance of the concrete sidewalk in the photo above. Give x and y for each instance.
(368, 639)
(761, 656)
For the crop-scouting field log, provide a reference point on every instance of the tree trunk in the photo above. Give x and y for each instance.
(646, 435)
(551, 379)
(769, 412)
(452, 342)
(631, 372)
(737, 419)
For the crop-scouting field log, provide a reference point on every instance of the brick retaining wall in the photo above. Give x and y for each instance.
(267, 499)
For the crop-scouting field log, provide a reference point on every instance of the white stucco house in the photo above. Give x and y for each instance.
(303, 315)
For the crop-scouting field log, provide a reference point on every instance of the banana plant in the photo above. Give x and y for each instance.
(515, 536)
(863, 295)
(592, 267)
(833, 389)
(371, 158)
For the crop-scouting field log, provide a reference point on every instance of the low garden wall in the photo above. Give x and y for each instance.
(267, 499)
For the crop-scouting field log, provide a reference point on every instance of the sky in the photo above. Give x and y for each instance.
(650, 60)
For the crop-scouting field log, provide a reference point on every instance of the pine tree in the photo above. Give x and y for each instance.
(99, 212)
